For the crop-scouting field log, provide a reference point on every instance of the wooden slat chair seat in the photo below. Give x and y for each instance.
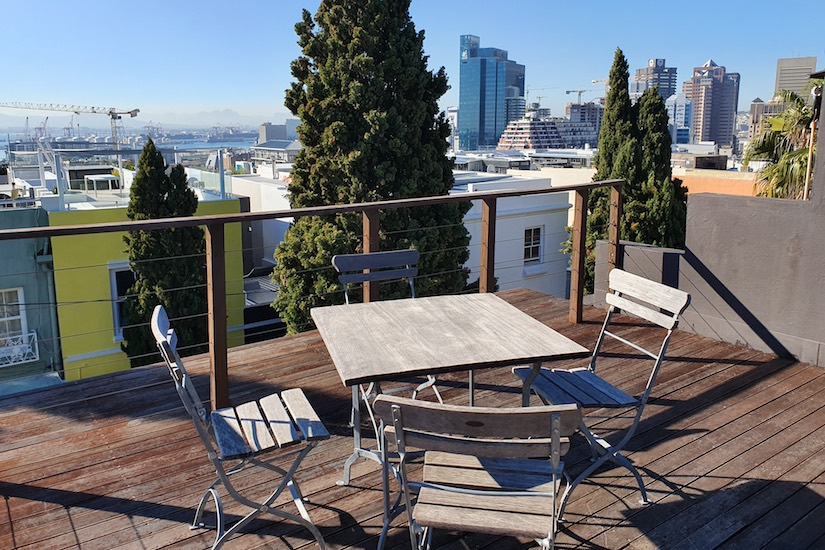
(653, 302)
(235, 438)
(389, 265)
(492, 514)
(480, 469)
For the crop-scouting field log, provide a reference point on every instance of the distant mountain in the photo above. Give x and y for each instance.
(207, 119)
(13, 124)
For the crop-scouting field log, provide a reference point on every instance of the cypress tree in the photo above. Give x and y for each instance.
(634, 145)
(618, 157)
(168, 264)
(662, 221)
(618, 124)
(370, 130)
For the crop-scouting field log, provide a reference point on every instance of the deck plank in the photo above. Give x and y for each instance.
(730, 447)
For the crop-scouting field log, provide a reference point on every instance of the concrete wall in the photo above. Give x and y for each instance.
(264, 195)
(717, 181)
(755, 269)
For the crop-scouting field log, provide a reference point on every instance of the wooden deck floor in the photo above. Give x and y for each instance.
(731, 446)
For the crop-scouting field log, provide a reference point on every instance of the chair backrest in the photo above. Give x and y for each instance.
(376, 266)
(652, 301)
(167, 342)
(646, 299)
(523, 432)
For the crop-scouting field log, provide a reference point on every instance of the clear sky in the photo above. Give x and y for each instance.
(187, 60)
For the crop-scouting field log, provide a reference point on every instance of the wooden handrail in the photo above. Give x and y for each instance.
(166, 223)
(215, 249)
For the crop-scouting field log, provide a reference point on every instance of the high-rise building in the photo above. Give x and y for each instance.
(590, 112)
(714, 93)
(292, 128)
(268, 132)
(655, 74)
(486, 77)
(793, 73)
(679, 117)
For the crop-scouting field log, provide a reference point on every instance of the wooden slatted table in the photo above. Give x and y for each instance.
(398, 339)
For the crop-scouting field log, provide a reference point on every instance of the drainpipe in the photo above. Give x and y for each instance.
(40, 162)
(221, 177)
(58, 162)
(56, 357)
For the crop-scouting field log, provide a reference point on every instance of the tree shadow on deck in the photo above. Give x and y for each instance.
(744, 513)
(149, 393)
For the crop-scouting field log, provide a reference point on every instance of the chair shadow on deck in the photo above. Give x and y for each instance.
(133, 508)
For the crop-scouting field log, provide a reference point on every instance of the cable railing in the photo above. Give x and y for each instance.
(226, 305)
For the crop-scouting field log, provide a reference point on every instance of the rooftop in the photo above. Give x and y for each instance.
(730, 444)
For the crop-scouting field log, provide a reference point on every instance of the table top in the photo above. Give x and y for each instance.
(400, 338)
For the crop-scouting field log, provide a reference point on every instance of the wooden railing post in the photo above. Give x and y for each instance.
(487, 277)
(370, 237)
(216, 299)
(614, 256)
(578, 239)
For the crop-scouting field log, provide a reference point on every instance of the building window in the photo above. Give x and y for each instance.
(532, 245)
(17, 345)
(12, 314)
(121, 279)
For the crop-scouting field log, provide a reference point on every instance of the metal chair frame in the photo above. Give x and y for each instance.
(309, 429)
(638, 296)
(375, 267)
(501, 445)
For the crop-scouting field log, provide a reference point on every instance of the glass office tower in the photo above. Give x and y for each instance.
(484, 78)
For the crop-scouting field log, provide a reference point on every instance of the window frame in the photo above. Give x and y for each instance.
(118, 300)
(21, 311)
(533, 253)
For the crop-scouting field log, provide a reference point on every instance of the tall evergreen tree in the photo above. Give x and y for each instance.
(371, 130)
(168, 264)
(634, 145)
(660, 210)
(618, 157)
(618, 123)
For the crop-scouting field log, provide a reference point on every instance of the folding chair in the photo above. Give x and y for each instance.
(381, 266)
(235, 437)
(480, 469)
(653, 302)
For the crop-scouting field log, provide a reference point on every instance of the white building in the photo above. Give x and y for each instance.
(529, 230)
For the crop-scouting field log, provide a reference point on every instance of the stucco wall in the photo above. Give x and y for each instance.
(82, 284)
(755, 269)
(717, 181)
(513, 216)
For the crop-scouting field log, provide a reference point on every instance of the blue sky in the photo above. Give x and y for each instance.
(186, 60)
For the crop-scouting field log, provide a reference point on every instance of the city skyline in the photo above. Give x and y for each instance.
(197, 63)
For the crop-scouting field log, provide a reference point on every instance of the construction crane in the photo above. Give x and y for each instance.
(42, 130)
(68, 130)
(527, 94)
(580, 92)
(604, 81)
(113, 113)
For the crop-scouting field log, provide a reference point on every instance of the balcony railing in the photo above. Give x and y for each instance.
(16, 350)
(214, 225)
